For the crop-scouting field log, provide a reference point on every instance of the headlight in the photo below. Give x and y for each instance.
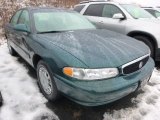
(90, 74)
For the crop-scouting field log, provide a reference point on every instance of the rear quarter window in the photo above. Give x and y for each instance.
(94, 10)
(79, 8)
(15, 17)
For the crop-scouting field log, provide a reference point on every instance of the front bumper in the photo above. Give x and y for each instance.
(94, 93)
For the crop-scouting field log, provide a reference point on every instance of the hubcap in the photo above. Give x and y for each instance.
(45, 80)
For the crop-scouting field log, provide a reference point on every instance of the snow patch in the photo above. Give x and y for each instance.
(22, 99)
(147, 103)
(2, 40)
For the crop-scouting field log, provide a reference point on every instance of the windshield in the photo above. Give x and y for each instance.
(158, 9)
(136, 12)
(60, 21)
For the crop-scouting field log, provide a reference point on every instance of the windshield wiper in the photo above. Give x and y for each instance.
(49, 32)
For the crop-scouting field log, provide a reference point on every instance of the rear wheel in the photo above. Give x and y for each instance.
(147, 42)
(11, 50)
(46, 81)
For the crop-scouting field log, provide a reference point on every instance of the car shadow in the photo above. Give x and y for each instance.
(31, 70)
(157, 65)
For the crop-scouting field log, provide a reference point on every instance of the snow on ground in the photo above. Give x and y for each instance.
(2, 40)
(22, 99)
(147, 103)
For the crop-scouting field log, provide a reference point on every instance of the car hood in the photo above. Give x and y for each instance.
(98, 48)
(152, 20)
(145, 23)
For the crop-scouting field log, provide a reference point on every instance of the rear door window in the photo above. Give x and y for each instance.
(79, 8)
(94, 10)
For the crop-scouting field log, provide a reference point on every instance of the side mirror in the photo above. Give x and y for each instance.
(118, 16)
(21, 27)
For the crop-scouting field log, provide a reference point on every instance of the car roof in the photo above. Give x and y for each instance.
(54, 9)
(150, 8)
(103, 2)
(97, 1)
(147, 7)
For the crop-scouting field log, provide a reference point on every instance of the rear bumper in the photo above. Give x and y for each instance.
(101, 92)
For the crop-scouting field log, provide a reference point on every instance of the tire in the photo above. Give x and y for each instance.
(1, 100)
(45, 76)
(147, 42)
(11, 50)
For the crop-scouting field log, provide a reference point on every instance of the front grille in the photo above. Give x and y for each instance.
(135, 65)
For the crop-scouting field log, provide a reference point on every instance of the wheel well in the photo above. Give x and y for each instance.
(36, 59)
(151, 38)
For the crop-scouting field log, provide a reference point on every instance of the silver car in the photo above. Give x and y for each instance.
(127, 19)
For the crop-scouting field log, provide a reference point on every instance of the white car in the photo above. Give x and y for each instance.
(127, 19)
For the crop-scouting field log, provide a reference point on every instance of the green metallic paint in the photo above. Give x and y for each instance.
(21, 27)
(84, 49)
(99, 92)
(90, 46)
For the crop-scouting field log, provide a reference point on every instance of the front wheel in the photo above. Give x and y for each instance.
(46, 81)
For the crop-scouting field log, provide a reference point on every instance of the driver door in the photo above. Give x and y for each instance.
(108, 22)
(24, 37)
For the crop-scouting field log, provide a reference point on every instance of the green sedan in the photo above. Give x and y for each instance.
(89, 66)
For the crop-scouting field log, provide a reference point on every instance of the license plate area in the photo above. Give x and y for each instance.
(144, 82)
